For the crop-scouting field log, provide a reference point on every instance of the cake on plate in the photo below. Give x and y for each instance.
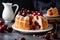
(33, 21)
(52, 12)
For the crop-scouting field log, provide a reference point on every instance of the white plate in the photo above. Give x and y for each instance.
(33, 31)
(51, 16)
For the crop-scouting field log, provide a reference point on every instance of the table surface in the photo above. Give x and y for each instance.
(17, 35)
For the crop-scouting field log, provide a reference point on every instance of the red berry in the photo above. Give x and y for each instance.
(51, 13)
(34, 13)
(9, 29)
(4, 27)
(1, 30)
(23, 14)
(40, 14)
(22, 38)
(1, 22)
(47, 36)
(28, 10)
(20, 13)
(54, 35)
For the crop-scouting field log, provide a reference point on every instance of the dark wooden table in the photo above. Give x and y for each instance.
(18, 35)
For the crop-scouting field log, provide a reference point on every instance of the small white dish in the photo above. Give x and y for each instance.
(51, 16)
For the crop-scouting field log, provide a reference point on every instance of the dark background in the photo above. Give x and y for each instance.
(27, 4)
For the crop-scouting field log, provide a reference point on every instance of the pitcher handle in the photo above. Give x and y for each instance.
(16, 7)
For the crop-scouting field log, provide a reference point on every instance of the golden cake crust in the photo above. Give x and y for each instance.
(30, 22)
(52, 12)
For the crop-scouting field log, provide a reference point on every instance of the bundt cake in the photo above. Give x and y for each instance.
(52, 12)
(31, 21)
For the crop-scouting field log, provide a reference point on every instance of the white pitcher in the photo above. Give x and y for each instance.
(8, 14)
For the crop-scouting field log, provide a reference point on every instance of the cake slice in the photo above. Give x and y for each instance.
(52, 12)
